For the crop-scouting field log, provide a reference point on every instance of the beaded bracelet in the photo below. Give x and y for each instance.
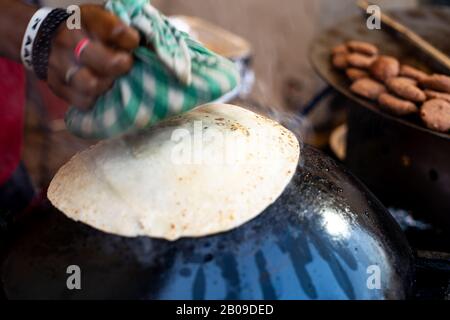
(42, 46)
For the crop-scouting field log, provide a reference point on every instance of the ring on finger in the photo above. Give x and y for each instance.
(71, 73)
(80, 47)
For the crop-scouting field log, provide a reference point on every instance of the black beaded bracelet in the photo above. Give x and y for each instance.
(42, 45)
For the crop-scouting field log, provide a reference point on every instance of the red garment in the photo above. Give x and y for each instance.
(12, 105)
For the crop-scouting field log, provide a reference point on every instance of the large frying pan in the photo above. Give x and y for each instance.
(322, 239)
(400, 160)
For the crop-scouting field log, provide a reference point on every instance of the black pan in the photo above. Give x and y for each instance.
(401, 161)
(326, 237)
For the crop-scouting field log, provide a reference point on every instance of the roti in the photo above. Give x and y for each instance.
(198, 174)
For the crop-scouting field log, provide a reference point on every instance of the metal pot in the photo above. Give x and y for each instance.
(326, 237)
(404, 163)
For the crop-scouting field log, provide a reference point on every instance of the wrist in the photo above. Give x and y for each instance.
(37, 53)
(31, 41)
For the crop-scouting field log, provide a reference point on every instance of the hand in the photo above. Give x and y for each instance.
(107, 56)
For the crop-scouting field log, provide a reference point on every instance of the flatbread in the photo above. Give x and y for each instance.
(201, 173)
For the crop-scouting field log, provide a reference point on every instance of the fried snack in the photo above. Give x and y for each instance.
(396, 105)
(340, 61)
(356, 74)
(368, 88)
(362, 47)
(411, 72)
(406, 88)
(411, 81)
(437, 95)
(438, 82)
(340, 49)
(385, 67)
(361, 61)
(436, 115)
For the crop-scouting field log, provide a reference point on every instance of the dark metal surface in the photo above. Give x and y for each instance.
(316, 241)
(433, 276)
(402, 162)
(405, 167)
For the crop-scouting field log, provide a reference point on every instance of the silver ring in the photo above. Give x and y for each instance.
(70, 73)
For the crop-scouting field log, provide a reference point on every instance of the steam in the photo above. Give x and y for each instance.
(257, 99)
(299, 125)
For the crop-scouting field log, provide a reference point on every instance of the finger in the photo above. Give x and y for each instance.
(108, 28)
(61, 56)
(69, 94)
(88, 83)
(104, 61)
(65, 38)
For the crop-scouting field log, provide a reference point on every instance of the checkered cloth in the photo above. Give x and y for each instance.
(177, 76)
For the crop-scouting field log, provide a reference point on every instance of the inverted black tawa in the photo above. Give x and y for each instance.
(326, 237)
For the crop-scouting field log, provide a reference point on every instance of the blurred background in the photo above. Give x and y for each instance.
(279, 33)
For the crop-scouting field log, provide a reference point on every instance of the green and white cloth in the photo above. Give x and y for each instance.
(176, 76)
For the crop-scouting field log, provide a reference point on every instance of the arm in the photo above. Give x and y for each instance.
(14, 18)
(107, 56)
